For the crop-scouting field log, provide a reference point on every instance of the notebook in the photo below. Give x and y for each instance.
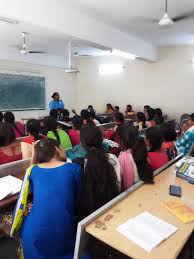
(9, 185)
(146, 230)
(186, 171)
(186, 159)
(179, 209)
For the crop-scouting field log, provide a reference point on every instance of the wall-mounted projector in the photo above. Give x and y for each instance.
(71, 69)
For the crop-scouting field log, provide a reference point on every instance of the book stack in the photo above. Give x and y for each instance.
(186, 171)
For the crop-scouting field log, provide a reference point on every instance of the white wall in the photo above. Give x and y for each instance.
(168, 83)
(56, 80)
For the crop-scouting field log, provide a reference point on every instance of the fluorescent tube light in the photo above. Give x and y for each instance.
(122, 54)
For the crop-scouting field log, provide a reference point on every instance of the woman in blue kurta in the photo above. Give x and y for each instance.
(56, 103)
(49, 230)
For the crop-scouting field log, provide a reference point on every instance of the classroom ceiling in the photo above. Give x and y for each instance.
(41, 39)
(132, 17)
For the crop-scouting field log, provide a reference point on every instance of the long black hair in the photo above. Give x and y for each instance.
(10, 118)
(33, 128)
(155, 138)
(141, 118)
(131, 140)
(1, 116)
(100, 181)
(151, 114)
(7, 135)
(52, 125)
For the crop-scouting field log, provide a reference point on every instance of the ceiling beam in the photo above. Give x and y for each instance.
(54, 15)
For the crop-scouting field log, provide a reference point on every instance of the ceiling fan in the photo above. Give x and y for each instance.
(24, 50)
(167, 21)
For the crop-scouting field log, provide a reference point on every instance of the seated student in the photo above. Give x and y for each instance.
(116, 109)
(74, 133)
(169, 135)
(90, 108)
(49, 229)
(140, 123)
(115, 133)
(86, 117)
(93, 118)
(33, 130)
(10, 149)
(186, 143)
(109, 108)
(1, 116)
(133, 159)
(184, 124)
(158, 116)
(145, 108)
(129, 111)
(149, 114)
(92, 142)
(154, 139)
(66, 114)
(18, 127)
(60, 135)
(54, 113)
(100, 184)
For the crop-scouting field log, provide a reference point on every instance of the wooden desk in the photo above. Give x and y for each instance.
(147, 198)
(11, 199)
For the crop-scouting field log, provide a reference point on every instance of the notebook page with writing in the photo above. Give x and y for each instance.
(146, 230)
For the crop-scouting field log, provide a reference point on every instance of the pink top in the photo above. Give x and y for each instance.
(75, 137)
(157, 159)
(20, 132)
(129, 169)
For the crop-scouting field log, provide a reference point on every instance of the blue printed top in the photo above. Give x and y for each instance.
(186, 143)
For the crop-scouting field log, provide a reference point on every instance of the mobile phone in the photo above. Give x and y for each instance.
(175, 190)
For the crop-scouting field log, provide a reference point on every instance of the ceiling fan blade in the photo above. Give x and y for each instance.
(184, 16)
(142, 19)
(36, 52)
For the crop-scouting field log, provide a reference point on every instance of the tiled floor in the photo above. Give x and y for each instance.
(8, 248)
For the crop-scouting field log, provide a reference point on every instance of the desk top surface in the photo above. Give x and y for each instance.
(146, 198)
(11, 199)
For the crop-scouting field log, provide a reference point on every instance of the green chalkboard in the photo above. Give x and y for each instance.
(20, 92)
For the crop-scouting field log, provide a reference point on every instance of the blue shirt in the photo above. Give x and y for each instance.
(53, 105)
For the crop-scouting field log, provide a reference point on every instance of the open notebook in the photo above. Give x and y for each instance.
(147, 230)
(9, 185)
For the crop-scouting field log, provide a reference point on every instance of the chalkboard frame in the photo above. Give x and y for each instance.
(26, 109)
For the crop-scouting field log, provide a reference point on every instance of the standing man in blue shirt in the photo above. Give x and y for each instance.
(56, 103)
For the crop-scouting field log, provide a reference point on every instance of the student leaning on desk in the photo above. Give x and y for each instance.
(49, 230)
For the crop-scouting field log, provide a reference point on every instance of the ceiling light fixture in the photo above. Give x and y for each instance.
(165, 20)
(4, 20)
(122, 54)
